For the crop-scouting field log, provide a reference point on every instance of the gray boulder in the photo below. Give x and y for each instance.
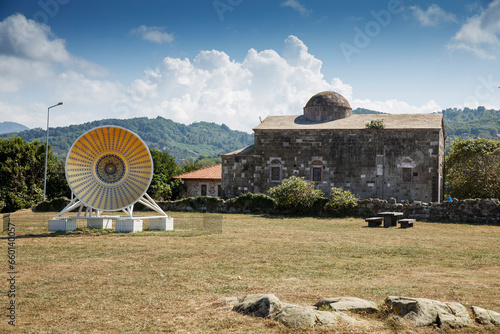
(352, 304)
(258, 305)
(424, 312)
(295, 316)
(486, 317)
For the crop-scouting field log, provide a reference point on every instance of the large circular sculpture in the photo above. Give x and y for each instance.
(109, 168)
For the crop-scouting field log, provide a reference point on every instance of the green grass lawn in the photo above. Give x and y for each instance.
(102, 282)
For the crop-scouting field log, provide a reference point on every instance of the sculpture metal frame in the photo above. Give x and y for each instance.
(109, 168)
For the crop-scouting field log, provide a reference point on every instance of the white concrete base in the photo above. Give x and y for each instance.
(163, 224)
(128, 225)
(100, 222)
(62, 224)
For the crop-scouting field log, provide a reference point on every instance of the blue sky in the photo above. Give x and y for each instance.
(233, 61)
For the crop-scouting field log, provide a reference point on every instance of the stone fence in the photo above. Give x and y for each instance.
(475, 211)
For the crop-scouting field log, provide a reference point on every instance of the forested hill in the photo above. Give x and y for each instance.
(366, 111)
(480, 122)
(179, 140)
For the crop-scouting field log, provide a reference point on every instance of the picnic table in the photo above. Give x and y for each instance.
(390, 218)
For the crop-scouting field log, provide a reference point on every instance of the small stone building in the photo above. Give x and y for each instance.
(202, 182)
(334, 148)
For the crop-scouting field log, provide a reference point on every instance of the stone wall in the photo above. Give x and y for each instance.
(476, 211)
(193, 188)
(471, 211)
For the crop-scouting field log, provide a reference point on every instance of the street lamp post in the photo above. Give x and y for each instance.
(47, 150)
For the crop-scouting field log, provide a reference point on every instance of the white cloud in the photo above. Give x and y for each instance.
(433, 16)
(73, 87)
(37, 69)
(24, 38)
(480, 34)
(153, 34)
(295, 4)
(18, 72)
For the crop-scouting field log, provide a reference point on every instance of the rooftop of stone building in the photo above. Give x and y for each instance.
(208, 173)
(242, 151)
(355, 122)
(328, 98)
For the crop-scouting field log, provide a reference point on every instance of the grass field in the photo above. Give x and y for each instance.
(96, 282)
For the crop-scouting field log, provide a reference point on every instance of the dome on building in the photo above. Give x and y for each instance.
(327, 106)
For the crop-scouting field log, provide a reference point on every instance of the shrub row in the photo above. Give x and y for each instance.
(294, 196)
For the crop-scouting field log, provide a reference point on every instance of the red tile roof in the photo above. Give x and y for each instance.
(207, 173)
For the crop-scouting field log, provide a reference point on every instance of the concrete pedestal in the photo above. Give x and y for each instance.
(163, 224)
(62, 224)
(128, 225)
(100, 222)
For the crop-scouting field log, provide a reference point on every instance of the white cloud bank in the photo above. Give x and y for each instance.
(480, 35)
(433, 16)
(211, 87)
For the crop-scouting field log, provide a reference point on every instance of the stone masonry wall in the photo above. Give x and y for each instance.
(471, 211)
(479, 211)
(193, 188)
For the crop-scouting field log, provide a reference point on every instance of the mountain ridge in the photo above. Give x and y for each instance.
(9, 127)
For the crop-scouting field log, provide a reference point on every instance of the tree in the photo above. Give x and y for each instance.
(295, 194)
(22, 167)
(473, 168)
(163, 185)
(190, 165)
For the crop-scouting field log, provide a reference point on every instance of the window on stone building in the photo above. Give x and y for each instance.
(316, 173)
(275, 173)
(275, 170)
(203, 190)
(219, 190)
(407, 174)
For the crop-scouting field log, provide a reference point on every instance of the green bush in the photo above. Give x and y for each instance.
(375, 124)
(199, 202)
(56, 204)
(295, 195)
(253, 202)
(341, 203)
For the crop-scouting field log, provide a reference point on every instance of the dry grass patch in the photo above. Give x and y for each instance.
(172, 281)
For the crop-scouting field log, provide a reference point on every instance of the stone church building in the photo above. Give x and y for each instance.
(331, 147)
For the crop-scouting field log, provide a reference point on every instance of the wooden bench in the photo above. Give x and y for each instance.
(374, 221)
(407, 222)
